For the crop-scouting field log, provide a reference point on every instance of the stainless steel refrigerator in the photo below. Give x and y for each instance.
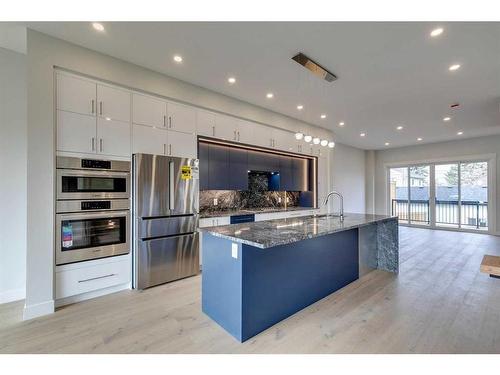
(165, 211)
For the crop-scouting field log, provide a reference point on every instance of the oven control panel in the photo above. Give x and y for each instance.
(96, 205)
(96, 164)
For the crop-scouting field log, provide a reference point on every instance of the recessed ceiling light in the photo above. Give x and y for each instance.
(269, 95)
(460, 133)
(178, 59)
(387, 143)
(316, 141)
(454, 67)
(446, 119)
(308, 138)
(323, 116)
(419, 139)
(341, 123)
(231, 80)
(324, 142)
(299, 136)
(300, 107)
(437, 32)
(331, 144)
(362, 134)
(400, 127)
(98, 26)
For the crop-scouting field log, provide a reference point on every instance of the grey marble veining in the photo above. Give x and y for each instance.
(270, 233)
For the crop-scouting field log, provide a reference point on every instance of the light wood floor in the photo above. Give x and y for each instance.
(439, 303)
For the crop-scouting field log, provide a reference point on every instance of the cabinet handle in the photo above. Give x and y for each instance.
(97, 278)
(234, 137)
(213, 131)
(170, 121)
(238, 136)
(92, 105)
(170, 149)
(100, 144)
(271, 142)
(100, 108)
(164, 149)
(164, 120)
(93, 144)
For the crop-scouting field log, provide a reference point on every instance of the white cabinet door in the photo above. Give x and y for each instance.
(76, 132)
(226, 128)
(283, 140)
(113, 103)
(181, 118)
(147, 110)
(262, 135)
(76, 95)
(205, 123)
(149, 140)
(245, 131)
(113, 137)
(181, 145)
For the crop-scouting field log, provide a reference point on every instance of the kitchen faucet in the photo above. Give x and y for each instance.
(341, 214)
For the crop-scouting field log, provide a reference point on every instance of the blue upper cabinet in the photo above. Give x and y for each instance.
(203, 156)
(218, 167)
(224, 167)
(238, 167)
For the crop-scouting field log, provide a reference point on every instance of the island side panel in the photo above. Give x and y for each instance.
(388, 245)
(279, 281)
(221, 287)
(368, 249)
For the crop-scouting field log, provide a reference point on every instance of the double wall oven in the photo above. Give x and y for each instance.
(92, 209)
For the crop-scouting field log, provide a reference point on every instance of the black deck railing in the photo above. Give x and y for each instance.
(474, 213)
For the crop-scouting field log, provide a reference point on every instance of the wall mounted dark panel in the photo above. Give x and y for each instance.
(218, 167)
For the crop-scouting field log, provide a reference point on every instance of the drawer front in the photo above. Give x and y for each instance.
(88, 279)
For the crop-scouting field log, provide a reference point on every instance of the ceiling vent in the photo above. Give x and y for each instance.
(314, 67)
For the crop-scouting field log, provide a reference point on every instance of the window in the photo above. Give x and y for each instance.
(458, 199)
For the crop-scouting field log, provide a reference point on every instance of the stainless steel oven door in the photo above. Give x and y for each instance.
(84, 184)
(91, 235)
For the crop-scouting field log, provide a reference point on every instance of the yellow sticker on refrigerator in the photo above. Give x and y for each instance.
(186, 172)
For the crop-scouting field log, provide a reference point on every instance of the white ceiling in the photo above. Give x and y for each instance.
(388, 73)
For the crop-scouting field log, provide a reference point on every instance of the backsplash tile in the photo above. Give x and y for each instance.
(232, 199)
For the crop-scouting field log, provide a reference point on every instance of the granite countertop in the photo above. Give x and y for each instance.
(265, 234)
(246, 211)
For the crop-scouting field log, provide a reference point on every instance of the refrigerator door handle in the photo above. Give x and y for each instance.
(171, 185)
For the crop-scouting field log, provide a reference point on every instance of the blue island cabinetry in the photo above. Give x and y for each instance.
(249, 286)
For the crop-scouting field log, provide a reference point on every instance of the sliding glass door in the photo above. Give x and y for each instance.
(448, 195)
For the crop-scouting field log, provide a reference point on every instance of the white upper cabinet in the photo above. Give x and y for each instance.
(113, 137)
(283, 140)
(76, 132)
(181, 118)
(150, 111)
(205, 123)
(245, 131)
(149, 140)
(181, 145)
(76, 95)
(262, 135)
(113, 103)
(226, 128)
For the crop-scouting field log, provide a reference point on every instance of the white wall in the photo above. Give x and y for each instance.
(45, 53)
(433, 151)
(348, 177)
(13, 175)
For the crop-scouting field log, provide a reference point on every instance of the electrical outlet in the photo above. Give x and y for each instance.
(279, 199)
(234, 250)
(287, 200)
(216, 202)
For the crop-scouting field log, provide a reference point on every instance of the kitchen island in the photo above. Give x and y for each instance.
(257, 274)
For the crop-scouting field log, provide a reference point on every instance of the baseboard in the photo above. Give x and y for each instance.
(89, 295)
(12, 295)
(40, 309)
